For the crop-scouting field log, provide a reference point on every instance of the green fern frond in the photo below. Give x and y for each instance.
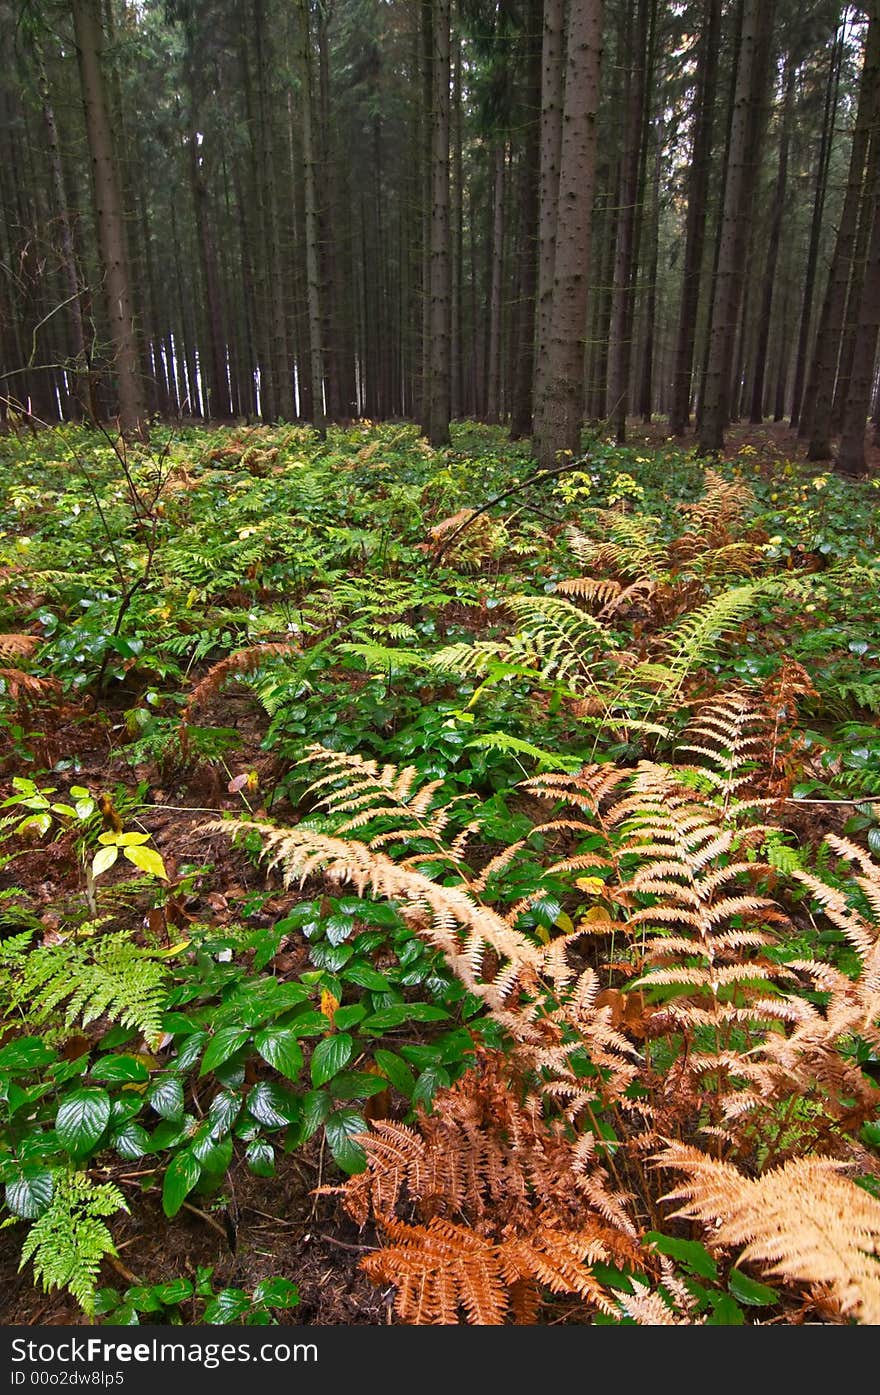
(557, 638)
(512, 745)
(105, 976)
(694, 641)
(70, 1239)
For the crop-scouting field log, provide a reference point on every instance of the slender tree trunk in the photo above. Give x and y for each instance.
(695, 226)
(558, 404)
(851, 453)
(493, 393)
(108, 215)
(313, 275)
(830, 110)
(779, 197)
(646, 390)
(528, 202)
(439, 318)
(820, 392)
(754, 63)
(552, 95)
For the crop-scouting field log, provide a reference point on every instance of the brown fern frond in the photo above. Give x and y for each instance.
(20, 685)
(805, 1221)
(595, 591)
(241, 661)
(442, 1271)
(17, 646)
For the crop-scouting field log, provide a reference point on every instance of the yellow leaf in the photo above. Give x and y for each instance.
(594, 885)
(329, 1004)
(564, 922)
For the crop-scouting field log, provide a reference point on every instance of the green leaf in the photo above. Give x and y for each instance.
(224, 1110)
(82, 1117)
(690, 1253)
(190, 1050)
(329, 1056)
(341, 1128)
(357, 1085)
(147, 860)
(726, 1312)
(175, 1291)
(214, 1154)
(131, 1141)
(229, 1305)
(279, 1047)
(366, 977)
(871, 1134)
(30, 1193)
(395, 1069)
(103, 860)
(181, 1175)
(348, 1016)
(277, 1293)
(307, 1024)
(125, 1069)
(166, 1097)
(746, 1290)
(398, 1013)
(26, 1054)
(260, 1158)
(432, 1079)
(222, 1045)
(273, 1105)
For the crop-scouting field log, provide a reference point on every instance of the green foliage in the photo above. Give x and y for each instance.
(70, 1239)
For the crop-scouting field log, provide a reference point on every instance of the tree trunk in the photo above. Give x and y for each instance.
(528, 201)
(313, 274)
(439, 318)
(779, 196)
(493, 376)
(851, 453)
(695, 226)
(108, 215)
(558, 404)
(820, 393)
(552, 93)
(830, 110)
(753, 68)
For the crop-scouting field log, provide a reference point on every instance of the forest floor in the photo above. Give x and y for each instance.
(116, 689)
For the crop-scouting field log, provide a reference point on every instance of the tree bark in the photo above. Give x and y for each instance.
(108, 215)
(754, 63)
(695, 225)
(439, 317)
(559, 401)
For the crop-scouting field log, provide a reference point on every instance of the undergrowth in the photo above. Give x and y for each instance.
(564, 815)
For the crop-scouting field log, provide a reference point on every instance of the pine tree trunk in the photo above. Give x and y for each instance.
(559, 401)
(820, 388)
(552, 94)
(313, 274)
(779, 196)
(745, 137)
(851, 453)
(493, 391)
(439, 317)
(528, 196)
(695, 227)
(108, 215)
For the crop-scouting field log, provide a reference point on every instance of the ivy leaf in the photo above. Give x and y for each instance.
(26, 1054)
(181, 1175)
(329, 1056)
(397, 1071)
(224, 1110)
(214, 1154)
(690, 1253)
(229, 1305)
(82, 1117)
(749, 1291)
(279, 1047)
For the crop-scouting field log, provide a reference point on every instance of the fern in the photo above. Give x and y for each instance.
(70, 1239)
(107, 976)
(803, 1220)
